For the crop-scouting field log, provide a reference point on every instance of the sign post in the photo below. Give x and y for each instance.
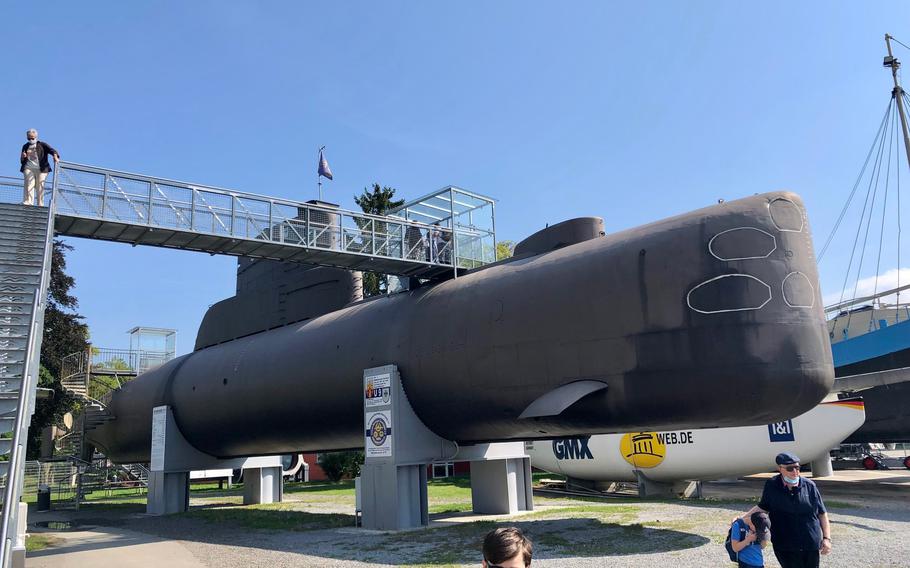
(398, 447)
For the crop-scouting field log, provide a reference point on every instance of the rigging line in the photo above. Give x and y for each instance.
(877, 174)
(863, 214)
(862, 256)
(859, 178)
(881, 234)
(873, 190)
(894, 39)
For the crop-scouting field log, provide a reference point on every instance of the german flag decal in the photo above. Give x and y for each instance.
(852, 403)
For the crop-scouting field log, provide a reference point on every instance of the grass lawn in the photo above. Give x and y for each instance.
(35, 542)
(272, 516)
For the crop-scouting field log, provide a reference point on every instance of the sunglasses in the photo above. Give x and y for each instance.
(791, 468)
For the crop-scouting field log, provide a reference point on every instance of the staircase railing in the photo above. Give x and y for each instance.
(91, 375)
(12, 491)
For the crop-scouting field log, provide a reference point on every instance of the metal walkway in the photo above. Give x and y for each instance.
(26, 238)
(130, 208)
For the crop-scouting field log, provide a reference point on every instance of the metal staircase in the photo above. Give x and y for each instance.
(70, 444)
(78, 378)
(80, 373)
(26, 240)
(137, 471)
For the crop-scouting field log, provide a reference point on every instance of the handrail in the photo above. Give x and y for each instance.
(240, 194)
(100, 361)
(127, 197)
(111, 195)
(847, 303)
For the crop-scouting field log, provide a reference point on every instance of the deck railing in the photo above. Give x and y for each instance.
(134, 199)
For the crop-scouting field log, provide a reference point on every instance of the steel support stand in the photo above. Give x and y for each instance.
(399, 447)
(173, 458)
(821, 466)
(649, 489)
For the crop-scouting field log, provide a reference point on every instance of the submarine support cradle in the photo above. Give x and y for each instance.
(650, 489)
(173, 458)
(399, 447)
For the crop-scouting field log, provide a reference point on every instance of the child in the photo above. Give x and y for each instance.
(757, 535)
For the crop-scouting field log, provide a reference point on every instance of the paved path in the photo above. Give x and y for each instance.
(107, 546)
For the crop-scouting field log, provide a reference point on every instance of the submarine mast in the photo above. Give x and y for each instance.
(897, 93)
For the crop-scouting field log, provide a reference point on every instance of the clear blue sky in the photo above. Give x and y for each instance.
(632, 111)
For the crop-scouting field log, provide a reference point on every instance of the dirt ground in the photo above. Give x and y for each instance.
(870, 513)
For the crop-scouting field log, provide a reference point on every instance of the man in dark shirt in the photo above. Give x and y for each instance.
(798, 515)
(34, 165)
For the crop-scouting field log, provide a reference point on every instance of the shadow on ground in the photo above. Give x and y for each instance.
(327, 535)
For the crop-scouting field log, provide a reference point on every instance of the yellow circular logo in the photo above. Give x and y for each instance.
(642, 449)
(379, 431)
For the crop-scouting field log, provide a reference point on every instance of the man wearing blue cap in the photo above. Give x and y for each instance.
(798, 515)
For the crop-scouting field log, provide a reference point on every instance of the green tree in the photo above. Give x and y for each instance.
(504, 249)
(64, 333)
(377, 200)
(340, 465)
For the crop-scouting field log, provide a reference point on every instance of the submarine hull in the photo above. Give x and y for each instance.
(692, 454)
(708, 319)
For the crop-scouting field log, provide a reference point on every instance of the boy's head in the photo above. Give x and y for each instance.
(506, 547)
(762, 525)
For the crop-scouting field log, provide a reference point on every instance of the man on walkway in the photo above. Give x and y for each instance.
(35, 167)
(798, 515)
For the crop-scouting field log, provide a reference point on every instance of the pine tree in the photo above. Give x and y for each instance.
(377, 200)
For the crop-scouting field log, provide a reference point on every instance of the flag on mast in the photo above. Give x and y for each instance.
(324, 170)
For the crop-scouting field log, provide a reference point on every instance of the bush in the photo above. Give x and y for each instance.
(340, 465)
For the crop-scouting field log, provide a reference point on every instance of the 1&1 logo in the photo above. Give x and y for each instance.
(781, 431)
(379, 431)
(643, 449)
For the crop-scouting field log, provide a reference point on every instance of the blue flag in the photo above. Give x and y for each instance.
(324, 170)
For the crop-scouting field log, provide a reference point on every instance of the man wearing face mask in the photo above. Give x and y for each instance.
(34, 166)
(798, 515)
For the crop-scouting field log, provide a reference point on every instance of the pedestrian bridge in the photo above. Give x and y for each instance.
(432, 237)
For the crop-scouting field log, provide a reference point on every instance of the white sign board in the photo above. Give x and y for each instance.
(159, 434)
(378, 442)
(377, 391)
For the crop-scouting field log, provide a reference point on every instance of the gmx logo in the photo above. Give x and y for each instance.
(572, 449)
(781, 431)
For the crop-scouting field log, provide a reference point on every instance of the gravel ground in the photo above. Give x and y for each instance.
(870, 526)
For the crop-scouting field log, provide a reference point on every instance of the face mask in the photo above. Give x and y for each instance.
(32, 142)
(791, 480)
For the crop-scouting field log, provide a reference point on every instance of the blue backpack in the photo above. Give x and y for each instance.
(728, 544)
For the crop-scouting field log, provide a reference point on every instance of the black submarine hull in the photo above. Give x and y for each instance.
(711, 318)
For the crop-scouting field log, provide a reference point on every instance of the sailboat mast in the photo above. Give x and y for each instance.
(897, 93)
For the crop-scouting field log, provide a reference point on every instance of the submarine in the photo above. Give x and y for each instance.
(711, 318)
